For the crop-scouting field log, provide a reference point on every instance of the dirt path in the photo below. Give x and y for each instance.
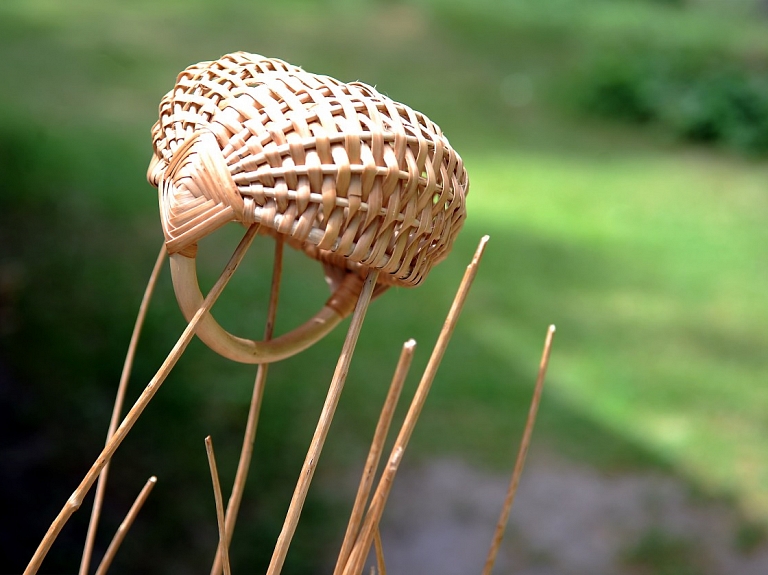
(567, 520)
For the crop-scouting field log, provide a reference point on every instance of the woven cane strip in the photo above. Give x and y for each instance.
(346, 174)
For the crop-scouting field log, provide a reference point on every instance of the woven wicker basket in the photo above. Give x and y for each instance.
(352, 178)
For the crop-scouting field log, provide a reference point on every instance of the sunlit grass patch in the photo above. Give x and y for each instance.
(650, 266)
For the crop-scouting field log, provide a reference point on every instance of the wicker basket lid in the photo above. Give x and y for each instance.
(351, 177)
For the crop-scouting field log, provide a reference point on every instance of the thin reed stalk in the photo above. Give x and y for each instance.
(223, 547)
(363, 544)
(76, 499)
(117, 409)
(323, 425)
(379, 547)
(122, 531)
(374, 454)
(249, 437)
(521, 455)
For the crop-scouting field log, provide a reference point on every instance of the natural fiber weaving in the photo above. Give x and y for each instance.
(351, 177)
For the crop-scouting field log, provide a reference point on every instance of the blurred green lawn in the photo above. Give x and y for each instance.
(648, 254)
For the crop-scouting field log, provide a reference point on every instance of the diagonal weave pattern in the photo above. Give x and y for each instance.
(351, 177)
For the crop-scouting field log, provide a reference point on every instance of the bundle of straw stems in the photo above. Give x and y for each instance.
(362, 532)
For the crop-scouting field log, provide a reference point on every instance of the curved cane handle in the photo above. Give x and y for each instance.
(185, 284)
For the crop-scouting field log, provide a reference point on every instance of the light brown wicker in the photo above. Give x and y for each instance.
(342, 172)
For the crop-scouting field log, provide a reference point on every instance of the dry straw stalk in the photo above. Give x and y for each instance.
(374, 454)
(76, 499)
(122, 531)
(117, 409)
(525, 442)
(249, 438)
(324, 424)
(355, 563)
(223, 547)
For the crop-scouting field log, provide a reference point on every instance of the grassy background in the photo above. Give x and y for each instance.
(643, 239)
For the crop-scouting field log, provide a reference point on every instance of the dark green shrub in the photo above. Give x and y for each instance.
(698, 99)
(722, 106)
(618, 88)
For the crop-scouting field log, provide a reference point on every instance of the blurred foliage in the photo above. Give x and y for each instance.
(698, 70)
(750, 536)
(701, 101)
(661, 553)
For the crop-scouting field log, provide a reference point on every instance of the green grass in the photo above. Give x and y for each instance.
(664, 554)
(647, 254)
(651, 272)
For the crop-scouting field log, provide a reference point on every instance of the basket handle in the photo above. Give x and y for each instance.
(339, 305)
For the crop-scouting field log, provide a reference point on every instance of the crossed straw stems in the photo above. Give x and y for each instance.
(362, 530)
